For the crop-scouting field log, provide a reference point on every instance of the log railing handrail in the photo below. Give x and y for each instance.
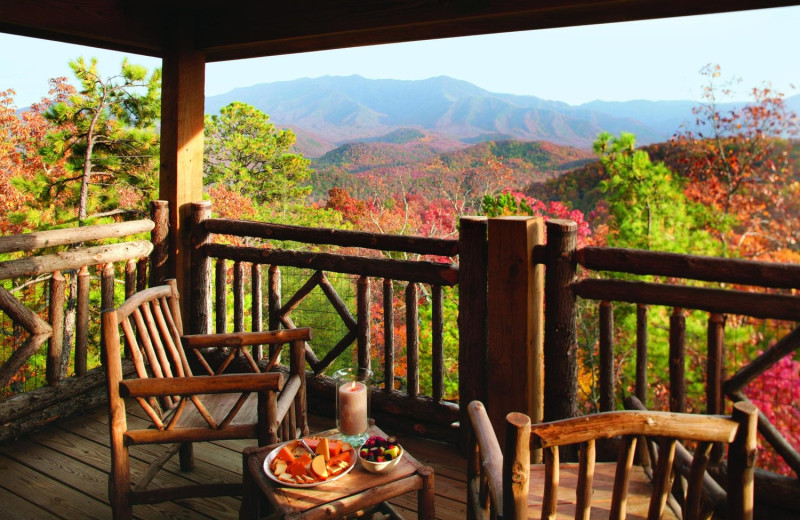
(690, 267)
(412, 271)
(61, 237)
(336, 237)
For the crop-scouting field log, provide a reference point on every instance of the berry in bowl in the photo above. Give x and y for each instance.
(380, 455)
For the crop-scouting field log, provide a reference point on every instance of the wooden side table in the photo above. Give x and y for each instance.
(354, 492)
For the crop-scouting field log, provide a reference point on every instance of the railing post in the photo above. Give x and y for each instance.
(256, 307)
(515, 319)
(159, 236)
(472, 315)
(364, 302)
(199, 304)
(82, 323)
(560, 339)
(715, 372)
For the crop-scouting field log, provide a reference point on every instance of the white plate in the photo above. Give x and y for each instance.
(273, 453)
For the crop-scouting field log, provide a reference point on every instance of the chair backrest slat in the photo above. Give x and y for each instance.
(693, 507)
(175, 331)
(586, 463)
(155, 336)
(619, 497)
(662, 479)
(166, 336)
(551, 481)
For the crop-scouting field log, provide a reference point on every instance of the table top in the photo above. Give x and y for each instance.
(356, 482)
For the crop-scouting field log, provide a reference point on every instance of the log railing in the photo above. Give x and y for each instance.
(269, 307)
(564, 287)
(45, 257)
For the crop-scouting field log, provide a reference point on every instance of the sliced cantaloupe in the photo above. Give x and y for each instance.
(322, 449)
(318, 467)
(341, 457)
(296, 468)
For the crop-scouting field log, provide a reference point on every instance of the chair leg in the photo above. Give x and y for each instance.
(186, 455)
(119, 486)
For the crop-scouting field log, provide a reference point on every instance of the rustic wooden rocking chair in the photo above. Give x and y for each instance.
(185, 408)
(499, 487)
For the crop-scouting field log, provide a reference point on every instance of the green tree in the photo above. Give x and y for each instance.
(646, 204)
(247, 154)
(106, 134)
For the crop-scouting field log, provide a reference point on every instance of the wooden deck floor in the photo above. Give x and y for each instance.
(62, 472)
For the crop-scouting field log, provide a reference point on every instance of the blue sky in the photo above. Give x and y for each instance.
(658, 60)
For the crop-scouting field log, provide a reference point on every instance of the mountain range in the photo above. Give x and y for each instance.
(330, 111)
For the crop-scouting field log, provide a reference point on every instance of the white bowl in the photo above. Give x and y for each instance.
(381, 467)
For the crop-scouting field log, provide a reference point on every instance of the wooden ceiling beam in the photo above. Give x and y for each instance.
(249, 30)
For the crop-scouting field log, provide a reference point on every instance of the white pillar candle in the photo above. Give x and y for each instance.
(353, 408)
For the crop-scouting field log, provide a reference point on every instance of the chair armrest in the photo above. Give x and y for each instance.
(491, 455)
(222, 384)
(240, 339)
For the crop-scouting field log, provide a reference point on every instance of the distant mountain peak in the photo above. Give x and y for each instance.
(331, 110)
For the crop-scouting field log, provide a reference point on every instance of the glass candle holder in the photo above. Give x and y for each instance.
(352, 404)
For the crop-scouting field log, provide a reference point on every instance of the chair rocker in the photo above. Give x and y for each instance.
(184, 408)
(512, 487)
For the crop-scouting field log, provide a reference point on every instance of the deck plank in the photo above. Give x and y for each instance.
(62, 471)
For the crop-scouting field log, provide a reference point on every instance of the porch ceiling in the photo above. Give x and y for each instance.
(249, 28)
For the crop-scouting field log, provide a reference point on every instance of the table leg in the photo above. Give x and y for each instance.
(250, 492)
(425, 496)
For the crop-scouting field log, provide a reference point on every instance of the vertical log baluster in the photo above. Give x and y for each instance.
(159, 213)
(256, 307)
(56, 341)
(388, 335)
(677, 357)
(238, 297)
(437, 343)
(220, 303)
(107, 295)
(412, 341)
(141, 273)
(82, 323)
(363, 322)
(130, 278)
(641, 352)
(715, 376)
(273, 301)
(606, 357)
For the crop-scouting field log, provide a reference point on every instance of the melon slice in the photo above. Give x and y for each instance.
(318, 467)
(322, 449)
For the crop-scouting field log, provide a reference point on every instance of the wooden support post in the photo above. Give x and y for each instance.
(606, 357)
(56, 342)
(561, 343)
(472, 316)
(199, 317)
(181, 179)
(515, 320)
(106, 295)
(641, 353)
(677, 361)
(130, 278)
(141, 273)
(159, 236)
